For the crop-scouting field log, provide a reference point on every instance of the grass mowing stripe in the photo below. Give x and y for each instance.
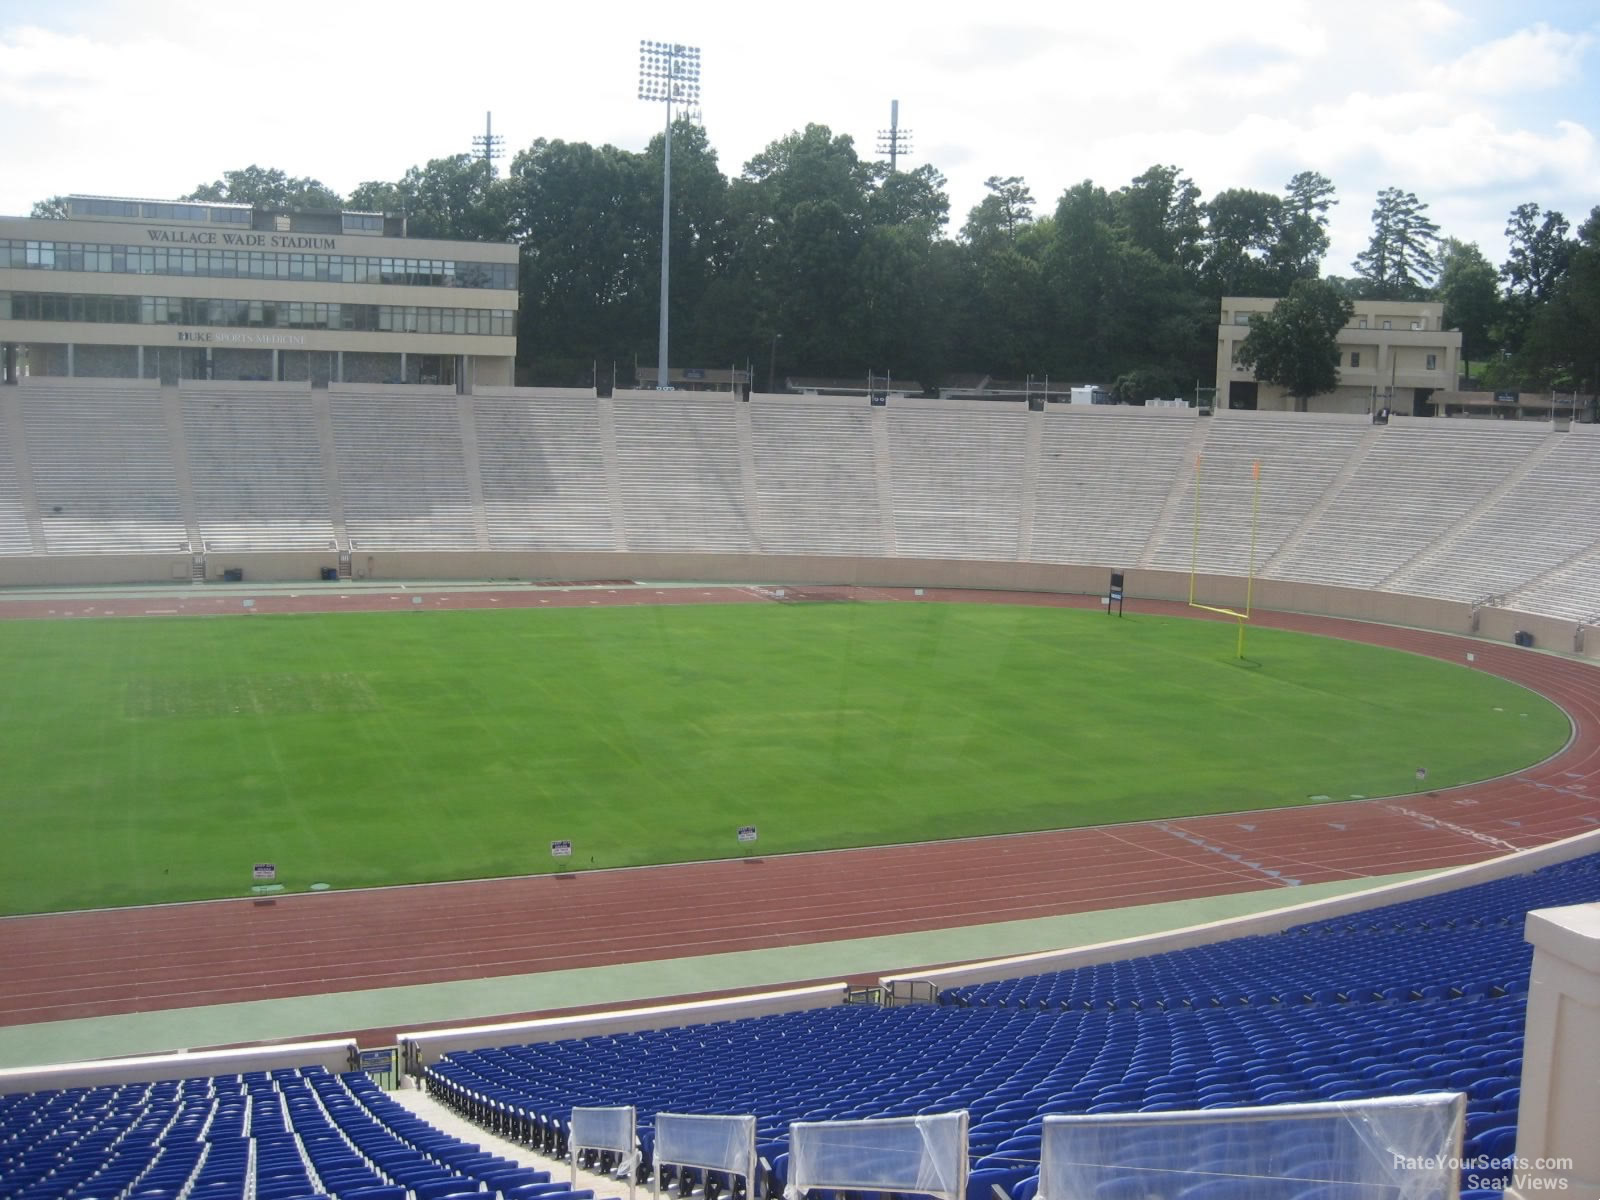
(158, 760)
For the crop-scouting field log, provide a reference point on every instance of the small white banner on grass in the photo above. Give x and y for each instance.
(561, 849)
(747, 833)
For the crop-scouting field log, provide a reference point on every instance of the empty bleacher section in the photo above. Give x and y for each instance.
(1480, 513)
(1104, 476)
(1423, 995)
(103, 470)
(402, 470)
(1533, 524)
(681, 475)
(1416, 481)
(1300, 454)
(256, 469)
(1571, 591)
(816, 478)
(15, 537)
(957, 478)
(543, 467)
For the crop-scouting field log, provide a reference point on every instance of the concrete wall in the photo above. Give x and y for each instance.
(1447, 616)
(418, 1050)
(339, 1055)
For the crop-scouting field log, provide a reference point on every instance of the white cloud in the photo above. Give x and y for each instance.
(155, 97)
(1527, 60)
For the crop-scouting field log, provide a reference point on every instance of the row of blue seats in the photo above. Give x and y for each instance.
(1474, 945)
(284, 1135)
(1282, 1032)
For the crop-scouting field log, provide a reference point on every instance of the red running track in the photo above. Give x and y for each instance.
(88, 964)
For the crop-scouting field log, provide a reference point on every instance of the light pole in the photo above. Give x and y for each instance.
(772, 360)
(668, 71)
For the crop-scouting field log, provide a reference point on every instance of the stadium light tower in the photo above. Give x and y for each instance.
(894, 141)
(668, 71)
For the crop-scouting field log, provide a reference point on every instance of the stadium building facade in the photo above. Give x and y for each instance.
(1392, 354)
(143, 289)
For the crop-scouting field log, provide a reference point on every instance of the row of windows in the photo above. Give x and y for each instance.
(1432, 360)
(254, 264)
(262, 314)
(163, 210)
(156, 210)
(1243, 318)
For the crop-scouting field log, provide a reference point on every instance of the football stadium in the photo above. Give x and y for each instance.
(441, 788)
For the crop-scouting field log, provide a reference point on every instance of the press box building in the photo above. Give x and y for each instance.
(1393, 354)
(167, 290)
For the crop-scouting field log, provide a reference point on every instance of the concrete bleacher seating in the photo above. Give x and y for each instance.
(1300, 457)
(1418, 479)
(1536, 522)
(15, 537)
(957, 478)
(1104, 476)
(402, 470)
(102, 461)
(1469, 511)
(255, 465)
(816, 478)
(1572, 591)
(544, 474)
(681, 474)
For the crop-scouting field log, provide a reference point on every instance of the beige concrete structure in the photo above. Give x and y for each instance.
(138, 289)
(1556, 1148)
(1392, 354)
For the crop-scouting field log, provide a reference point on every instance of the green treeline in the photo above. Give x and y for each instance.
(828, 264)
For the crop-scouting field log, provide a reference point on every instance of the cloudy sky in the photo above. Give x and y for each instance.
(1474, 106)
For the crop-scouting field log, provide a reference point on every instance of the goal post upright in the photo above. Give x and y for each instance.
(1255, 523)
(1250, 578)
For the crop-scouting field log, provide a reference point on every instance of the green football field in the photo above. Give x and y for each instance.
(148, 760)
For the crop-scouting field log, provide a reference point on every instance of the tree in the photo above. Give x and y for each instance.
(916, 197)
(1539, 252)
(1241, 232)
(1471, 296)
(53, 209)
(589, 249)
(999, 216)
(457, 198)
(1538, 255)
(266, 188)
(1562, 347)
(1303, 227)
(1159, 211)
(1296, 345)
(1401, 260)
